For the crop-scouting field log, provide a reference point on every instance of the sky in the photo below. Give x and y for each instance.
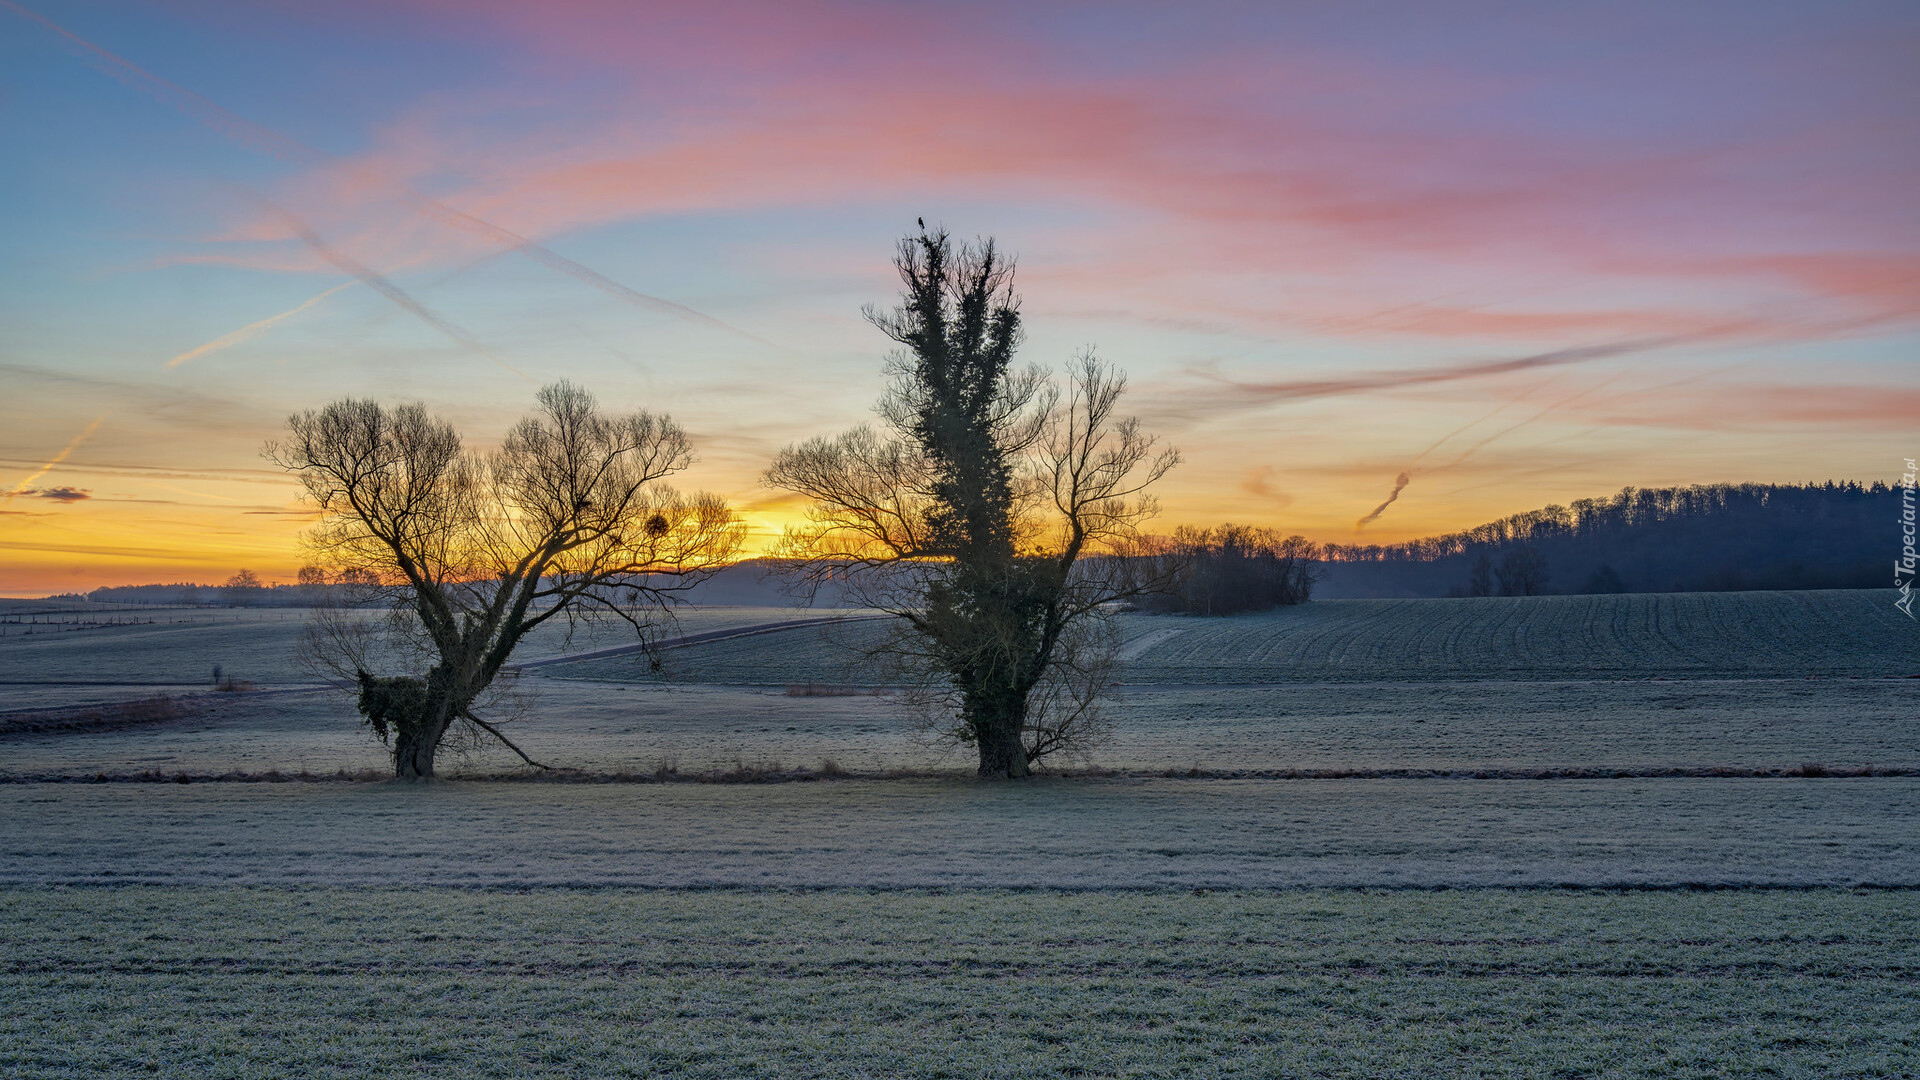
(1516, 254)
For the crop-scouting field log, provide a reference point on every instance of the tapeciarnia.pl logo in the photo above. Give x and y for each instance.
(1903, 567)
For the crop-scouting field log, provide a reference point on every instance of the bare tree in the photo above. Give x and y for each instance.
(993, 514)
(1231, 569)
(467, 553)
(312, 584)
(1480, 576)
(243, 589)
(1522, 572)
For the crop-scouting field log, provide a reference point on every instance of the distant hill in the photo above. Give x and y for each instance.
(1707, 538)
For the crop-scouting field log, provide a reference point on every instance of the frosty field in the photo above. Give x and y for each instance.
(1634, 682)
(248, 982)
(1672, 636)
(1517, 860)
(1058, 833)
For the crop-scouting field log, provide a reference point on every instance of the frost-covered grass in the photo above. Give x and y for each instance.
(180, 647)
(914, 833)
(1634, 682)
(610, 727)
(305, 930)
(1673, 635)
(237, 982)
(1686, 635)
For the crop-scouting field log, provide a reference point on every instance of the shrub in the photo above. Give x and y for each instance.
(1235, 568)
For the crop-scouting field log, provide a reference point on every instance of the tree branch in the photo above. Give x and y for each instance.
(495, 732)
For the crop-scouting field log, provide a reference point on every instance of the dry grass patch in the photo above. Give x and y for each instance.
(112, 716)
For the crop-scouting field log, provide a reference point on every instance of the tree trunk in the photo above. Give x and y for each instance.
(413, 751)
(414, 744)
(998, 719)
(1003, 758)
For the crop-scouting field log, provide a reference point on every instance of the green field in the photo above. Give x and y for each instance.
(238, 982)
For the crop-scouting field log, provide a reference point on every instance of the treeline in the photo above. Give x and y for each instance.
(1234, 568)
(244, 589)
(190, 594)
(1705, 538)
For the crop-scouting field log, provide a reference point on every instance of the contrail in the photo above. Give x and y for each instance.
(1582, 434)
(1556, 358)
(1399, 484)
(378, 283)
(553, 260)
(1477, 421)
(234, 127)
(249, 330)
(1263, 393)
(1406, 475)
(268, 141)
(22, 486)
(1471, 450)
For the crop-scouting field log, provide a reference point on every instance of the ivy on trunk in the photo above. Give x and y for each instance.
(995, 515)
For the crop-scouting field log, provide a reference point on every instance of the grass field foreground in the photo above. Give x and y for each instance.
(236, 981)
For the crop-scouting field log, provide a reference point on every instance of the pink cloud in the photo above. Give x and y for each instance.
(1363, 180)
(1760, 406)
(1862, 406)
(1121, 157)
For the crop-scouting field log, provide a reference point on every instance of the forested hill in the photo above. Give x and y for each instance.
(1704, 538)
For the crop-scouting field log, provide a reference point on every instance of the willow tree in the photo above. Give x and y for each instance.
(990, 511)
(469, 552)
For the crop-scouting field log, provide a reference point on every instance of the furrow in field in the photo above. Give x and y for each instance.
(911, 834)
